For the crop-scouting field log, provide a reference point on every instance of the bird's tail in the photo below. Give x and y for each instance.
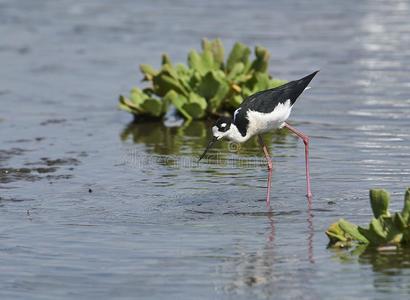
(302, 84)
(306, 80)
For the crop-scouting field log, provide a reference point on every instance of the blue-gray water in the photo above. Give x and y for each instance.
(158, 226)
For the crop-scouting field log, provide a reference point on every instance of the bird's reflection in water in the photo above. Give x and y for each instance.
(310, 231)
(256, 271)
(248, 267)
(271, 237)
(191, 138)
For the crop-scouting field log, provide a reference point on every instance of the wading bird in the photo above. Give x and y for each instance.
(260, 113)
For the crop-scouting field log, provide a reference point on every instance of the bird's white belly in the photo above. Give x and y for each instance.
(263, 122)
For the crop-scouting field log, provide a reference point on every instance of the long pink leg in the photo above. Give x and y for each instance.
(270, 166)
(305, 139)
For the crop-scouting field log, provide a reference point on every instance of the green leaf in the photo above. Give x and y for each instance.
(153, 107)
(178, 101)
(133, 104)
(206, 44)
(210, 84)
(262, 82)
(195, 98)
(137, 96)
(194, 109)
(352, 231)
(128, 106)
(163, 83)
(246, 92)
(236, 70)
(169, 70)
(392, 231)
(141, 104)
(373, 238)
(182, 70)
(375, 234)
(217, 100)
(148, 91)
(148, 71)
(377, 228)
(399, 221)
(406, 237)
(239, 53)
(194, 80)
(335, 233)
(235, 101)
(208, 61)
(276, 82)
(202, 63)
(194, 62)
(165, 59)
(406, 207)
(217, 50)
(379, 200)
(196, 106)
(261, 62)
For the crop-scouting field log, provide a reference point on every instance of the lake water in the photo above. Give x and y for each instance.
(92, 206)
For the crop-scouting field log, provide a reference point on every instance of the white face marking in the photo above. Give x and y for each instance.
(216, 133)
(220, 134)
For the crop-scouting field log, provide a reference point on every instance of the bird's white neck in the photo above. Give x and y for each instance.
(234, 135)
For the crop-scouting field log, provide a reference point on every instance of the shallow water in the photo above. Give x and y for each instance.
(93, 206)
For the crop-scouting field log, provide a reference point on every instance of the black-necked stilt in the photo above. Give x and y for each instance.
(262, 112)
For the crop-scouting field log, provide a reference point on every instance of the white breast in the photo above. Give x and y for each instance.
(263, 122)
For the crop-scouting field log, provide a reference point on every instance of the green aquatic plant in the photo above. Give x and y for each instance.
(209, 85)
(384, 228)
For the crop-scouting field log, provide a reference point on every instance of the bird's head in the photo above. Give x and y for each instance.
(220, 129)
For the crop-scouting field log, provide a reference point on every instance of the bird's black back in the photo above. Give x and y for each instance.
(266, 101)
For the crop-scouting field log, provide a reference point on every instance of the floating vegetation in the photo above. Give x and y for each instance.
(385, 231)
(209, 85)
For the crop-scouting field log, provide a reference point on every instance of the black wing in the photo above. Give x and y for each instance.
(266, 101)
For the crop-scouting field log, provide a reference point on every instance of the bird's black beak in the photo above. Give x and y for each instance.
(211, 143)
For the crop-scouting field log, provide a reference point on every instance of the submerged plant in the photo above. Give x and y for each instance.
(209, 85)
(384, 229)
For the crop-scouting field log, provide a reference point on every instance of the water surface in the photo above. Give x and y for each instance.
(93, 206)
